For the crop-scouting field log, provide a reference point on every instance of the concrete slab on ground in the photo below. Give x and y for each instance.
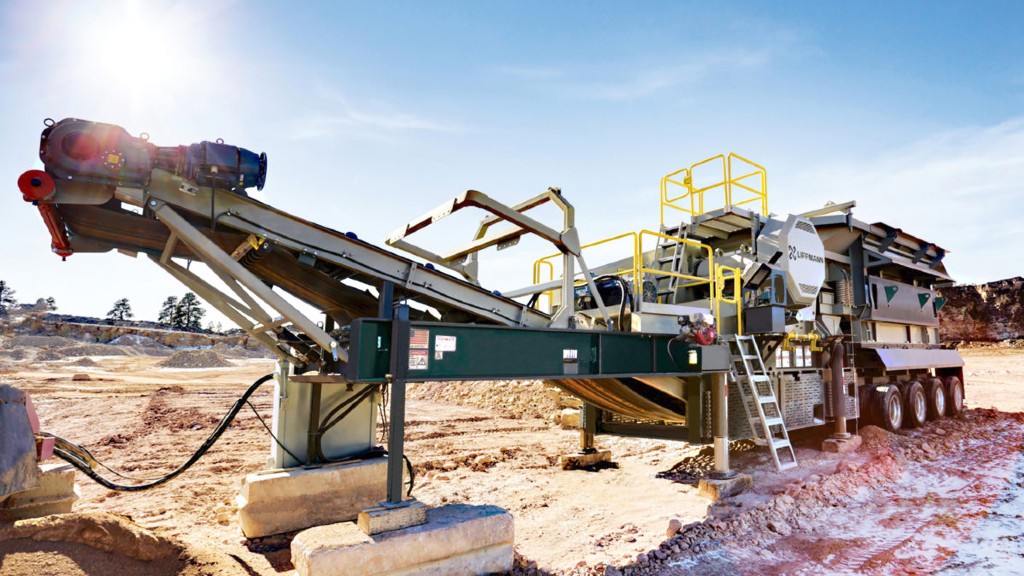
(841, 445)
(387, 516)
(583, 460)
(276, 501)
(457, 540)
(55, 494)
(719, 488)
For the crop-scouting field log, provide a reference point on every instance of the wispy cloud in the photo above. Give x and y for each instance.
(634, 85)
(960, 189)
(339, 113)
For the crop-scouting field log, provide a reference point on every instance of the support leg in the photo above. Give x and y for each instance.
(722, 482)
(396, 425)
(588, 428)
(720, 424)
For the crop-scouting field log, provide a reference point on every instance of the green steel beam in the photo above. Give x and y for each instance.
(442, 351)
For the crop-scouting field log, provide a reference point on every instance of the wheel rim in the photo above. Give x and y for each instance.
(940, 401)
(895, 412)
(920, 407)
(958, 396)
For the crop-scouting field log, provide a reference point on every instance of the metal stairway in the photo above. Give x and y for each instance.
(749, 373)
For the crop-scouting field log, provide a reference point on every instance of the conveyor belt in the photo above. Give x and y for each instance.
(309, 261)
(329, 254)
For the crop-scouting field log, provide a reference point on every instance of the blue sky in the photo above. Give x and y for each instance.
(373, 113)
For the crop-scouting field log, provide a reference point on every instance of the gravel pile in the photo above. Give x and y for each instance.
(802, 501)
(195, 359)
(41, 342)
(136, 340)
(514, 398)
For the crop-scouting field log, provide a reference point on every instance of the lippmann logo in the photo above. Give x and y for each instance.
(795, 254)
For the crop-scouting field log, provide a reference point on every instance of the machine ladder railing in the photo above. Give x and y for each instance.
(742, 182)
(669, 256)
(749, 373)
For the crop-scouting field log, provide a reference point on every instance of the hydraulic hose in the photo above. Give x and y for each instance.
(624, 294)
(81, 459)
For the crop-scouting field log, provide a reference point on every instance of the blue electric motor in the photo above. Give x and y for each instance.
(106, 154)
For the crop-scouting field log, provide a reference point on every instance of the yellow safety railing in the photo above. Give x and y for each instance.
(736, 277)
(547, 261)
(740, 175)
(638, 269)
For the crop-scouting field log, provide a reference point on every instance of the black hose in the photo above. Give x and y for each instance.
(625, 294)
(81, 459)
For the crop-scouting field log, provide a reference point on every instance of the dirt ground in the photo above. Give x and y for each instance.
(947, 498)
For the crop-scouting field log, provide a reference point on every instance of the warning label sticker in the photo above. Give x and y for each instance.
(419, 339)
(444, 343)
(418, 360)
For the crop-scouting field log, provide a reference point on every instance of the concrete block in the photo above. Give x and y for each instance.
(387, 517)
(584, 460)
(717, 489)
(841, 445)
(457, 540)
(570, 418)
(56, 494)
(276, 501)
(18, 470)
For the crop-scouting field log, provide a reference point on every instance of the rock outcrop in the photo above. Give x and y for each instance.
(983, 312)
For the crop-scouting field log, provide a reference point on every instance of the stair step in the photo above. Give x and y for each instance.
(781, 443)
(767, 400)
(783, 466)
(776, 421)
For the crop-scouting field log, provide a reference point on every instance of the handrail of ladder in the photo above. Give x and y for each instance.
(638, 269)
(736, 300)
(753, 181)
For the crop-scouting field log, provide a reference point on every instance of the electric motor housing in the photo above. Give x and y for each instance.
(106, 154)
(794, 247)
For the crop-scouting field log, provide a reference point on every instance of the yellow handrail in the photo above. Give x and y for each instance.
(754, 182)
(638, 270)
(720, 280)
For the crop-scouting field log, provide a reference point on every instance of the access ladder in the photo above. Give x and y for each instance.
(669, 257)
(749, 373)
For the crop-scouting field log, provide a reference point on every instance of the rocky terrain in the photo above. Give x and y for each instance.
(989, 312)
(948, 497)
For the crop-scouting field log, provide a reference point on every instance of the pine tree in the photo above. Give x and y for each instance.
(122, 310)
(167, 310)
(7, 300)
(189, 313)
(51, 304)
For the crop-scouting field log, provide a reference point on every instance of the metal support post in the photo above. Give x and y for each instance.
(720, 425)
(396, 426)
(313, 433)
(839, 391)
(386, 299)
(588, 428)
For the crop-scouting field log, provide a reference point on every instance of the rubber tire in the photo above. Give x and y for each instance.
(915, 404)
(936, 392)
(887, 400)
(954, 390)
(864, 402)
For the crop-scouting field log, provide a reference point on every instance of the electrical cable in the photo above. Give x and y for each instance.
(624, 294)
(82, 460)
(271, 432)
(412, 475)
